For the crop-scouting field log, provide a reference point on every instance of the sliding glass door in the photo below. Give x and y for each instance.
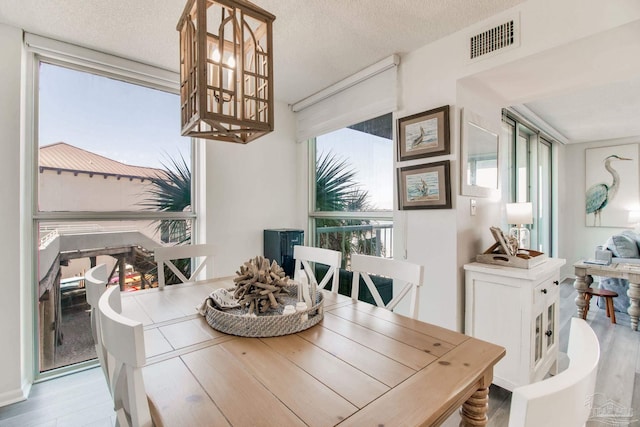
(543, 213)
(530, 155)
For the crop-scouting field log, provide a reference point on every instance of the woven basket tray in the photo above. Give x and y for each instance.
(236, 321)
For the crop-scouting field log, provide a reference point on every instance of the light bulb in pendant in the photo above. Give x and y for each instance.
(215, 56)
(231, 62)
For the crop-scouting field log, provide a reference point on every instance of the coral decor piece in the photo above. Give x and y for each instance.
(260, 284)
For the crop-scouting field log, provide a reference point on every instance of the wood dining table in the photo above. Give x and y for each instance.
(360, 366)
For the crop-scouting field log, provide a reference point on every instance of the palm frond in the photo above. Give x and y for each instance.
(336, 187)
(170, 191)
(338, 190)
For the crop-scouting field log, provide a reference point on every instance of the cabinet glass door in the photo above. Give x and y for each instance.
(538, 340)
(551, 322)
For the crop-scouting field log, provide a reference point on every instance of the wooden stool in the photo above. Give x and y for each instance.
(607, 295)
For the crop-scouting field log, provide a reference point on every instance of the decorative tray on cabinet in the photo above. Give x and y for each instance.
(524, 259)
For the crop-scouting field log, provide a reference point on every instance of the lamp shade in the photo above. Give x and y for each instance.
(519, 213)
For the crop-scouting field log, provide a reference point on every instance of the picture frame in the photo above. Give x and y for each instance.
(479, 156)
(426, 186)
(609, 196)
(424, 134)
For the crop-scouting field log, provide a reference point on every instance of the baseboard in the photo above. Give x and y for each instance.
(13, 396)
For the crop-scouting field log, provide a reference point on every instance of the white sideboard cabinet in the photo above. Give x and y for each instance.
(517, 309)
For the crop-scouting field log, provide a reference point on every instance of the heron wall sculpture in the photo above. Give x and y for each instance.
(599, 195)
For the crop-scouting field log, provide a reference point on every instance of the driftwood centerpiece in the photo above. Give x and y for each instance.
(262, 291)
(260, 284)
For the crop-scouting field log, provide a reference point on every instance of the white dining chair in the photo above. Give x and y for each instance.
(166, 255)
(95, 283)
(305, 255)
(400, 271)
(565, 399)
(123, 339)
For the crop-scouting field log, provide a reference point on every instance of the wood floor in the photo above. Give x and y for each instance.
(82, 399)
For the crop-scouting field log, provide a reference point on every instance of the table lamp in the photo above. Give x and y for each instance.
(520, 214)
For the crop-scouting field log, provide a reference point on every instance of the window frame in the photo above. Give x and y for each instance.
(535, 139)
(43, 50)
(314, 215)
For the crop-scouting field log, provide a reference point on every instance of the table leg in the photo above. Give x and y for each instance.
(474, 410)
(581, 284)
(634, 304)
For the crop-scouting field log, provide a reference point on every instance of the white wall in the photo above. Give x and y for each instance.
(428, 237)
(444, 240)
(250, 188)
(14, 358)
(68, 191)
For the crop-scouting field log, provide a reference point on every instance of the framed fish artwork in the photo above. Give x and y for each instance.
(424, 134)
(425, 186)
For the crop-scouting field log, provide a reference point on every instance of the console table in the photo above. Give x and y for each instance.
(631, 272)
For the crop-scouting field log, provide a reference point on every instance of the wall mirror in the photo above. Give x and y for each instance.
(479, 156)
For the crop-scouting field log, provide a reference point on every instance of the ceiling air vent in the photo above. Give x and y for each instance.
(497, 38)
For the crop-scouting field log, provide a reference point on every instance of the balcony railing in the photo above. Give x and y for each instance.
(375, 238)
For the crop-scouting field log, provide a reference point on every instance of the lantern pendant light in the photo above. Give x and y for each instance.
(226, 70)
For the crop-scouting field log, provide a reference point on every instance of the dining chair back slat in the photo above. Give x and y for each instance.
(123, 339)
(409, 273)
(565, 399)
(305, 255)
(167, 255)
(95, 283)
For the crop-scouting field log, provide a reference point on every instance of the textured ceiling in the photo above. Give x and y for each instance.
(320, 42)
(599, 113)
(316, 42)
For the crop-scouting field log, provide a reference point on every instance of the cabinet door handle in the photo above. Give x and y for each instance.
(544, 291)
(555, 282)
(549, 333)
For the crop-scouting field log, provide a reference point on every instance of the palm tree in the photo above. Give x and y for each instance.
(338, 190)
(171, 192)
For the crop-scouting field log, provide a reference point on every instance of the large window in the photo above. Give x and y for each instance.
(112, 180)
(352, 190)
(531, 176)
(101, 141)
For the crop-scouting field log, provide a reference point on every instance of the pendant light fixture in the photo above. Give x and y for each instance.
(226, 70)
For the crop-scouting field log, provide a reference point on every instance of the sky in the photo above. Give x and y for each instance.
(370, 155)
(125, 122)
